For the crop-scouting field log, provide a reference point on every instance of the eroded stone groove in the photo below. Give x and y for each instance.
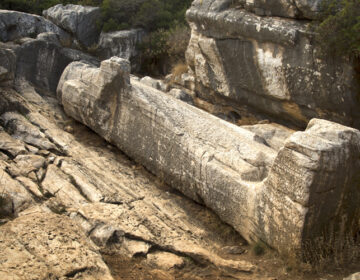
(280, 197)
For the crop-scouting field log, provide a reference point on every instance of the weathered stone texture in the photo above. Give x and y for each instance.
(48, 246)
(7, 65)
(282, 8)
(39, 61)
(80, 21)
(15, 25)
(119, 206)
(122, 44)
(270, 63)
(314, 179)
(266, 195)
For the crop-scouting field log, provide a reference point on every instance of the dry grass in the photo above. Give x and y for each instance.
(177, 71)
(319, 256)
(93, 49)
(336, 254)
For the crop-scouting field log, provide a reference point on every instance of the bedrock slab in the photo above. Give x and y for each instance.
(120, 206)
(282, 198)
(48, 246)
(270, 63)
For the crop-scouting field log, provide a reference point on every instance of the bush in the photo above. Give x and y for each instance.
(31, 6)
(161, 49)
(150, 15)
(339, 27)
(258, 249)
(164, 21)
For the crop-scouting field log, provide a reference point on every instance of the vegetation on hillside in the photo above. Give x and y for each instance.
(37, 6)
(164, 20)
(339, 27)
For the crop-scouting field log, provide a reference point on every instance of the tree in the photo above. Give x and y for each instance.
(339, 27)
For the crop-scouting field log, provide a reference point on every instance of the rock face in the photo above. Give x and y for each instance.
(7, 64)
(15, 25)
(271, 63)
(42, 62)
(80, 21)
(282, 8)
(122, 44)
(280, 197)
(39, 61)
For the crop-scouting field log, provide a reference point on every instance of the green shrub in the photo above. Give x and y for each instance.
(164, 21)
(163, 48)
(339, 27)
(258, 249)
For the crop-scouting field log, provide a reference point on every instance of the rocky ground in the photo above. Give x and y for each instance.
(75, 207)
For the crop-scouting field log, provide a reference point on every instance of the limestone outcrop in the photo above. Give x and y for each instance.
(258, 53)
(300, 9)
(121, 44)
(40, 61)
(281, 196)
(7, 64)
(16, 25)
(80, 21)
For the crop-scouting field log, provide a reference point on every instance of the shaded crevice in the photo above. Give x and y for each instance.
(73, 273)
(7, 153)
(78, 187)
(156, 247)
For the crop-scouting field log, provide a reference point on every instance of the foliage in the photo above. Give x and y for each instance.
(151, 15)
(164, 21)
(163, 48)
(339, 27)
(258, 249)
(31, 6)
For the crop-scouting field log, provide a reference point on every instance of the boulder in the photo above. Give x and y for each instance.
(80, 21)
(15, 25)
(355, 276)
(42, 61)
(283, 198)
(14, 198)
(181, 95)
(165, 260)
(123, 44)
(151, 82)
(270, 63)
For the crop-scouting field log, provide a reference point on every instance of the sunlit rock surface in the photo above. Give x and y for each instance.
(80, 21)
(271, 63)
(280, 196)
